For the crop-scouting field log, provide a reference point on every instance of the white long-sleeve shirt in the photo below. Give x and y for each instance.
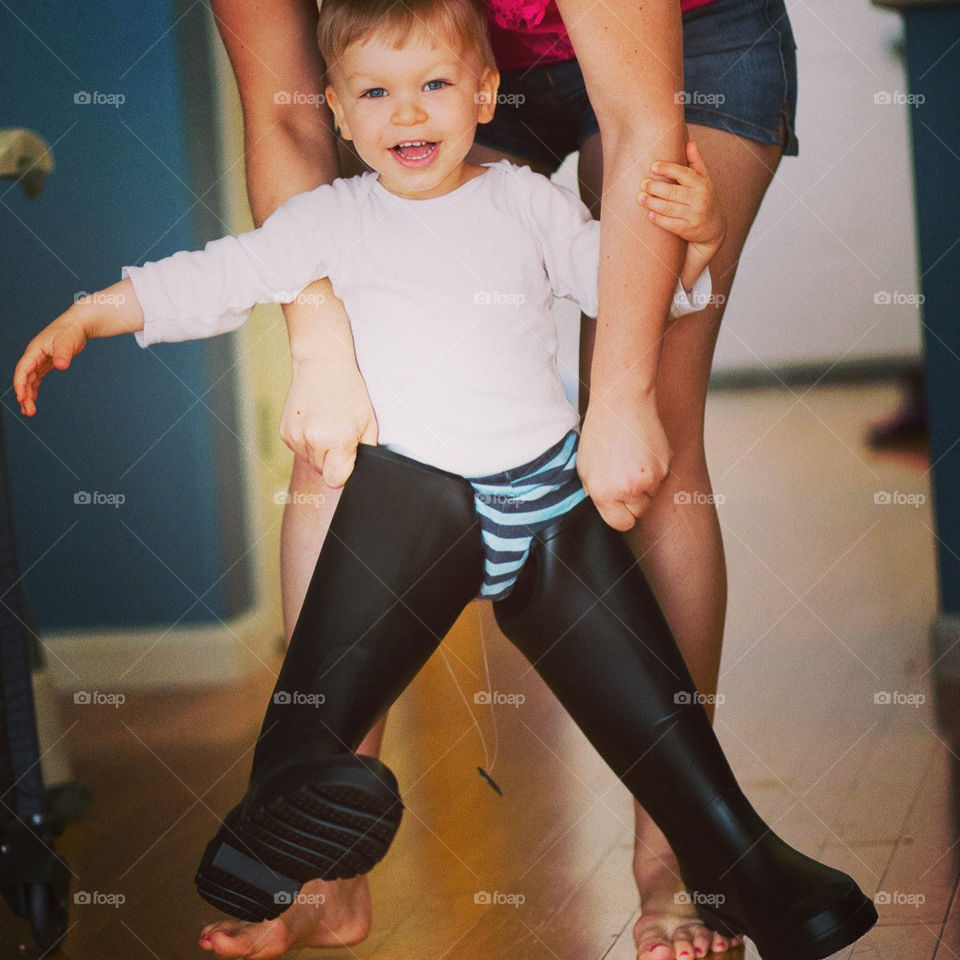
(448, 300)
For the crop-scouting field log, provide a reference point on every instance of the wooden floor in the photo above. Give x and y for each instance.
(830, 600)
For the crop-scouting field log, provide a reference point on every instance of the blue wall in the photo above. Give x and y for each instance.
(122, 420)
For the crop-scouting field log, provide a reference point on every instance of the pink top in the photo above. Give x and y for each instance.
(529, 32)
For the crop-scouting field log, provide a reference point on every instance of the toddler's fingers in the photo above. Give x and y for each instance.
(671, 192)
(695, 159)
(28, 367)
(679, 227)
(679, 172)
(667, 208)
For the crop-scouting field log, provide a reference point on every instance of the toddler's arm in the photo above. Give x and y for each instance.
(687, 204)
(105, 314)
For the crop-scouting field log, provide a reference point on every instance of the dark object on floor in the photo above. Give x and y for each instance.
(34, 880)
(907, 425)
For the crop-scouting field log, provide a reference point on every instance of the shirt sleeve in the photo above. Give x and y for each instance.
(568, 236)
(203, 293)
(698, 297)
(570, 240)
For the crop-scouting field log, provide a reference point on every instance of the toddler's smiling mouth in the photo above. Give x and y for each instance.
(415, 153)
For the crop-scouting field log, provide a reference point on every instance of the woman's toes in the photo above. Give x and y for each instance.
(701, 942)
(720, 943)
(682, 948)
(654, 948)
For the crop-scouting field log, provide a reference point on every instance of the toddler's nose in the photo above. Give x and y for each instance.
(408, 112)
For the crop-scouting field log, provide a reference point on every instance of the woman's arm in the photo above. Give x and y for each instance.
(290, 148)
(631, 57)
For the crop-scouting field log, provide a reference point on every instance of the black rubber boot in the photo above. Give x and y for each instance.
(584, 616)
(402, 558)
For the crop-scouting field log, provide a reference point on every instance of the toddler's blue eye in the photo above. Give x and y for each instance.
(435, 84)
(375, 93)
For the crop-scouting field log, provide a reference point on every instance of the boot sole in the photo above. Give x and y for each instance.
(817, 937)
(334, 821)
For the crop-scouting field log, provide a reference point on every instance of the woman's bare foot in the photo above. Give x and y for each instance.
(668, 927)
(327, 913)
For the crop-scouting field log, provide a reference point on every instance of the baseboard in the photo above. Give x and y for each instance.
(855, 370)
(112, 661)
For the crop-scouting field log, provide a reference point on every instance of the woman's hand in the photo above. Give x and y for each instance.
(622, 479)
(326, 414)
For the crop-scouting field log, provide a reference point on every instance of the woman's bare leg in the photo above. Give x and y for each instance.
(679, 545)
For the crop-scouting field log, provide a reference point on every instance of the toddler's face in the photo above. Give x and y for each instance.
(411, 112)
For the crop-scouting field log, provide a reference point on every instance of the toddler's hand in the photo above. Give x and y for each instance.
(52, 348)
(686, 204)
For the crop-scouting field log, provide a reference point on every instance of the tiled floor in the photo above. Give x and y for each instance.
(831, 594)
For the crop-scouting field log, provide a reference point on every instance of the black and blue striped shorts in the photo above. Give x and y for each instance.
(517, 503)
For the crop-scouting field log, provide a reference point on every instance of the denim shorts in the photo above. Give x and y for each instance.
(740, 75)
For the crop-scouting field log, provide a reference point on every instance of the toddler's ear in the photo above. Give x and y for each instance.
(487, 94)
(340, 124)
